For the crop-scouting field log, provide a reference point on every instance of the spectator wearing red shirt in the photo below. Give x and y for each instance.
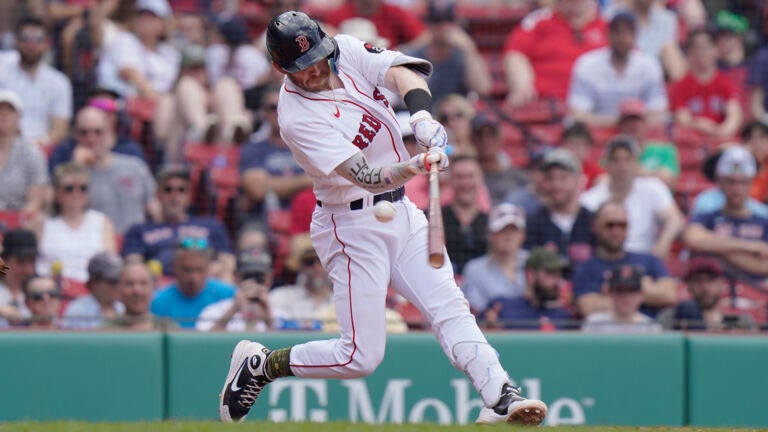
(393, 23)
(705, 99)
(539, 54)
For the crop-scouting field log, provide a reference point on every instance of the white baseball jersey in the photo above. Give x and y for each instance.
(324, 129)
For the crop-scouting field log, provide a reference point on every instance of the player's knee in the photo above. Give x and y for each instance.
(365, 360)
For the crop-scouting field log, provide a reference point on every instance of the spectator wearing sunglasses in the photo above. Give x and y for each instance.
(45, 92)
(590, 283)
(122, 187)
(249, 309)
(43, 299)
(75, 233)
(183, 300)
(155, 240)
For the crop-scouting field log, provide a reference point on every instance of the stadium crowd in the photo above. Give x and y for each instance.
(608, 163)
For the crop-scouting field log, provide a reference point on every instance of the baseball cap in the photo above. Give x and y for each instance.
(542, 258)
(11, 98)
(105, 266)
(623, 17)
(161, 8)
(736, 160)
(503, 215)
(254, 260)
(19, 243)
(562, 158)
(622, 141)
(440, 11)
(703, 265)
(173, 171)
(536, 155)
(625, 278)
(632, 107)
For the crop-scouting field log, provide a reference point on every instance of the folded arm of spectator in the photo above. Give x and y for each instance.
(285, 187)
(733, 119)
(672, 223)
(700, 239)
(592, 302)
(659, 292)
(520, 79)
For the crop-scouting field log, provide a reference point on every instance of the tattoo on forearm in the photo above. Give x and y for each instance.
(379, 178)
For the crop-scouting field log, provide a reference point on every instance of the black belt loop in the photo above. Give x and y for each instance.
(391, 196)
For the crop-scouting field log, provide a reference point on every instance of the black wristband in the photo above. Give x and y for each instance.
(417, 100)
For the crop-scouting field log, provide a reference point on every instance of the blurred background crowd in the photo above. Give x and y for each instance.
(609, 164)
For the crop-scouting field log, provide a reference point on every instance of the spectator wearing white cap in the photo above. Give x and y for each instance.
(501, 271)
(23, 172)
(45, 93)
(734, 233)
(137, 62)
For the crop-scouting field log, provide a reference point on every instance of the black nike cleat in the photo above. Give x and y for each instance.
(244, 382)
(513, 408)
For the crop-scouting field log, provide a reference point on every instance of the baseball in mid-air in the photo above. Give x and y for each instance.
(384, 211)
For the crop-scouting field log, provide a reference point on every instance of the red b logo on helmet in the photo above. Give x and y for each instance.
(303, 43)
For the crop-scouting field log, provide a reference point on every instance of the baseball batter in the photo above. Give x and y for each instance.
(343, 132)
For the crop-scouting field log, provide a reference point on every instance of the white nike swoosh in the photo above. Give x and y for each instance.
(234, 386)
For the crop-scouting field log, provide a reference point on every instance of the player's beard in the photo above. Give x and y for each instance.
(313, 84)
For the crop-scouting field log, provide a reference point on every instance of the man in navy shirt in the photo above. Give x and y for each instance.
(734, 234)
(540, 306)
(562, 223)
(155, 240)
(589, 283)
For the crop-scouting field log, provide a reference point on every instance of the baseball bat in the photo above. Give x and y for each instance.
(436, 239)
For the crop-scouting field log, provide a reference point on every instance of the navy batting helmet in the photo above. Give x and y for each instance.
(295, 41)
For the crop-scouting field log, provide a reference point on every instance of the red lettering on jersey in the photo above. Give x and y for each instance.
(366, 133)
(359, 143)
(372, 122)
(369, 127)
(377, 95)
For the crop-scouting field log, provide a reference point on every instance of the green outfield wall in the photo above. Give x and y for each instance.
(670, 379)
